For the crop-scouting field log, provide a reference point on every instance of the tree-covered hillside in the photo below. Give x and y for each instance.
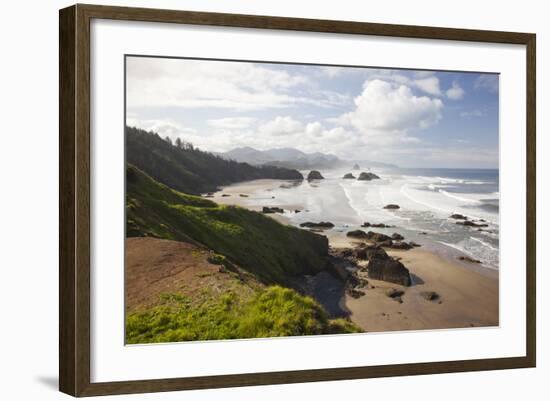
(185, 168)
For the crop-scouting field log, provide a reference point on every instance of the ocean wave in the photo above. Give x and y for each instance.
(484, 244)
(469, 253)
(459, 198)
(407, 195)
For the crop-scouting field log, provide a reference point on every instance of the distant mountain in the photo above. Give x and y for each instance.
(359, 164)
(191, 170)
(296, 159)
(282, 157)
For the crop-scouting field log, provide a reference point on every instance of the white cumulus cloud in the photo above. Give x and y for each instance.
(455, 92)
(429, 85)
(386, 109)
(281, 126)
(231, 122)
(155, 82)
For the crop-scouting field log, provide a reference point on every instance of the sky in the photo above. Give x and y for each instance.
(410, 118)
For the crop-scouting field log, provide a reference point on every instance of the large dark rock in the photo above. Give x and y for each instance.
(401, 245)
(377, 237)
(375, 225)
(388, 269)
(391, 206)
(349, 176)
(468, 259)
(371, 236)
(357, 234)
(321, 224)
(457, 216)
(367, 177)
(274, 209)
(370, 252)
(397, 237)
(387, 243)
(314, 175)
(469, 223)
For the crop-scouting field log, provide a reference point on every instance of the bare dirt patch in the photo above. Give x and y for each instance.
(157, 266)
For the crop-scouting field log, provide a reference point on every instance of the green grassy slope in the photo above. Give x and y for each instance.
(271, 312)
(271, 251)
(189, 169)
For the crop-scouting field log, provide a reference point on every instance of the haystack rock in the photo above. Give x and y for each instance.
(314, 175)
(367, 176)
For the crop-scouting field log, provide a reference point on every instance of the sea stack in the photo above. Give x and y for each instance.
(368, 176)
(356, 166)
(314, 175)
(349, 176)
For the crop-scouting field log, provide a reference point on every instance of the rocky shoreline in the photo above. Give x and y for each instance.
(387, 281)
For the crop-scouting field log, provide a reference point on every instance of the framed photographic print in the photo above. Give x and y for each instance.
(250, 200)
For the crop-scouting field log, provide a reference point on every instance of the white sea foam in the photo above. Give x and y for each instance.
(425, 206)
(459, 198)
(484, 243)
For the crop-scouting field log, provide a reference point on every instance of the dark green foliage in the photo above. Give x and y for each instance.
(270, 312)
(188, 169)
(271, 251)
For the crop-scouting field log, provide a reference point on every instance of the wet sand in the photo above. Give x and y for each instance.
(468, 295)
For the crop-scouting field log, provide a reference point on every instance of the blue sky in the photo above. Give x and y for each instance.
(411, 118)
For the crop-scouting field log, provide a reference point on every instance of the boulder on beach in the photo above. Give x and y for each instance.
(388, 269)
(402, 245)
(377, 237)
(274, 209)
(349, 176)
(321, 224)
(468, 259)
(394, 293)
(392, 206)
(375, 225)
(357, 234)
(371, 235)
(354, 293)
(314, 175)
(457, 216)
(469, 223)
(430, 296)
(367, 176)
(397, 237)
(370, 252)
(387, 243)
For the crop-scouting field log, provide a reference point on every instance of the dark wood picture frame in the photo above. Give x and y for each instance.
(74, 194)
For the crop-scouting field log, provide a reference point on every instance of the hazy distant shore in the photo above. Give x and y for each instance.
(468, 294)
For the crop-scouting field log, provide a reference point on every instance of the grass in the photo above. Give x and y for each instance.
(271, 251)
(270, 312)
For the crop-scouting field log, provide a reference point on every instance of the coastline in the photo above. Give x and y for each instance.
(468, 294)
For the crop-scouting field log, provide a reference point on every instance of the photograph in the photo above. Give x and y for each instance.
(275, 199)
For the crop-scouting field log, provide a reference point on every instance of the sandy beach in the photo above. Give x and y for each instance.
(468, 295)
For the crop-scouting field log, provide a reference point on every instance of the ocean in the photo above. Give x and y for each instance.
(427, 197)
